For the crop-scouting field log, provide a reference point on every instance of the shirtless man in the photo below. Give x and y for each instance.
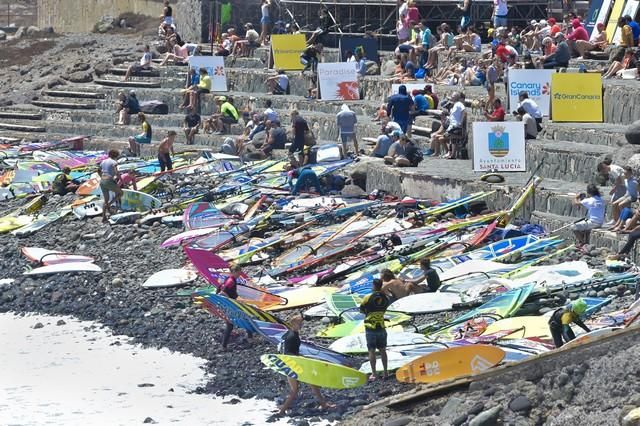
(395, 288)
(165, 150)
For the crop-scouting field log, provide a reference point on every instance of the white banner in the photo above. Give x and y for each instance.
(215, 67)
(499, 145)
(338, 81)
(536, 82)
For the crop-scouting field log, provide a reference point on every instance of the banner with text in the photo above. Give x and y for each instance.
(215, 67)
(536, 82)
(576, 97)
(338, 81)
(286, 50)
(369, 47)
(499, 146)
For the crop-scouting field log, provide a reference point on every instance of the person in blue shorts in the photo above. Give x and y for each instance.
(374, 306)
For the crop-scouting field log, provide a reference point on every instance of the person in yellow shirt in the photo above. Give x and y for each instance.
(204, 86)
(374, 306)
(626, 39)
(560, 322)
(227, 115)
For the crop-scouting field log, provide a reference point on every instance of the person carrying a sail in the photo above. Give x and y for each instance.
(230, 289)
(561, 320)
(291, 346)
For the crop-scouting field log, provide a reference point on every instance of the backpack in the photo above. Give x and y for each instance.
(414, 154)
(154, 107)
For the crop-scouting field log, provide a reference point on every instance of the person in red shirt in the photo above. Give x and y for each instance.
(498, 113)
(502, 52)
(555, 28)
(578, 33)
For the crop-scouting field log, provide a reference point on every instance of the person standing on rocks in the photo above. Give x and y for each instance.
(145, 63)
(374, 306)
(347, 121)
(561, 320)
(399, 107)
(165, 151)
(230, 289)
(291, 346)
(109, 176)
(142, 138)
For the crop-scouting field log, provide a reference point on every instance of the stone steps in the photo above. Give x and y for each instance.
(128, 84)
(10, 125)
(571, 161)
(600, 238)
(596, 134)
(20, 115)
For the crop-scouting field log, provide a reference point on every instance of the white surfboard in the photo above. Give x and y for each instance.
(588, 337)
(92, 209)
(51, 257)
(425, 303)
(395, 360)
(65, 267)
(319, 311)
(357, 343)
(187, 235)
(170, 278)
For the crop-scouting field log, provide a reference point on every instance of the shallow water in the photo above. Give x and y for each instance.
(80, 374)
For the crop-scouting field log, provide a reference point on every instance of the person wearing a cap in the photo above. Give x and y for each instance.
(560, 58)
(561, 320)
(578, 33)
(555, 28)
(251, 41)
(227, 115)
(597, 42)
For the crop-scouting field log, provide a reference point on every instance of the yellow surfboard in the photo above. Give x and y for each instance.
(532, 326)
(314, 372)
(305, 296)
(450, 363)
(616, 12)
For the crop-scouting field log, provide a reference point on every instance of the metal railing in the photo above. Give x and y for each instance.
(18, 13)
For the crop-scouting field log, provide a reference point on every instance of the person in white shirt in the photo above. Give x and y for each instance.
(500, 11)
(145, 63)
(265, 21)
(456, 115)
(404, 31)
(615, 174)
(530, 126)
(531, 108)
(278, 84)
(595, 206)
(269, 113)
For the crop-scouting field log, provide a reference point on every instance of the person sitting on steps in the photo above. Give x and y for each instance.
(145, 63)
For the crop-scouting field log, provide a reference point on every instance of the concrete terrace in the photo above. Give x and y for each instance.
(570, 151)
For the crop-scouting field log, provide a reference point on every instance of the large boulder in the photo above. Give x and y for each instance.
(3, 35)
(33, 31)
(633, 133)
(105, 24)
(80, 77)
(20, 33)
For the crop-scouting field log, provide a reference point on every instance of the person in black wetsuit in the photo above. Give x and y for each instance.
(428, 274)
(291, 346)
(560, 322)
(230, 289)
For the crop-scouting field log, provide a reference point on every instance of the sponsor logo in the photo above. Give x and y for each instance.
(534, 89)
(219, 71)
(429, 369)
(479, 364)
(498, 142)
(289, 368)
(576, 97)
(349, 382)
